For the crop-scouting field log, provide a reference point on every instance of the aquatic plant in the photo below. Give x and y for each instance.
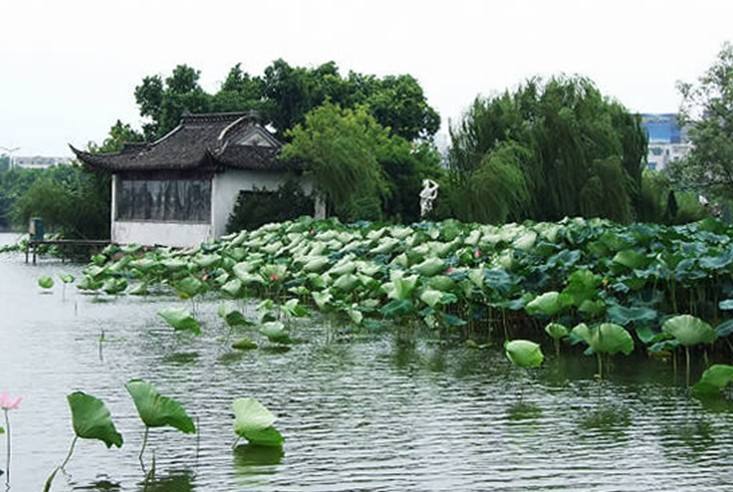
(713, 380)
(606, 338)
(156, 410)
(45, 282)
(557, 332)
(254, 422)
(180, 319)
(90, 420)
(689, 331)
(524, 353)
(429, 275)
(6, 404)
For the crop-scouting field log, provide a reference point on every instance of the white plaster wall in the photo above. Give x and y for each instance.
(177, 234)
(227, 185)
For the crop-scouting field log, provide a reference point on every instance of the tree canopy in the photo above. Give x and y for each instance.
(284, 94)
(707, 110)
(548, 150)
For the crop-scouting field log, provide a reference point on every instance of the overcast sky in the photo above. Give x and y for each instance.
(68, 68)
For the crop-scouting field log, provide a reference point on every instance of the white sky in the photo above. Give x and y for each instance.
(68, 68)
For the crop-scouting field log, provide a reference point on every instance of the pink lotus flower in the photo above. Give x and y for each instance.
(8, 403)
(477, 253)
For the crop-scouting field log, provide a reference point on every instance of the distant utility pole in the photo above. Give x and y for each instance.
(9, 151)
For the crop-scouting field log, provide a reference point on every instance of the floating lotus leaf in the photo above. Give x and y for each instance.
(91, 419)
(606, 338)
(244, 343)
(524, 353)
(156, 410)
(180, 319)
(689, 330)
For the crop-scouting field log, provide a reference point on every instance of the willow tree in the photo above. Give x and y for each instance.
(340, 149)
(581, 153)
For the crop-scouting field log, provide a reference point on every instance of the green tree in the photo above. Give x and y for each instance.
(339, 148)
(573, 152)
(707, 109)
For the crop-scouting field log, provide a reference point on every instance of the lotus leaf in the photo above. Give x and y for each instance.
(714, 380)
(549, 304)
(556, 330)
(244, 343)
(253, 422)
(524, 353)
(275, 331)
(156, 410)
(180, 319)
(430, 267)
(689, 330)
(232, 287)
(606, 338)
(91, 419)
(45, 282)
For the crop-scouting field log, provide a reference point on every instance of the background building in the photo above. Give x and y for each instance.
(37, 161)
(667, 139)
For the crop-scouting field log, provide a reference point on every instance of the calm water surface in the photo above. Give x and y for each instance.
(368, 414)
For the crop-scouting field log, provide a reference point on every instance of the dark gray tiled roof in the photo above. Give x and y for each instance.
(200, 141)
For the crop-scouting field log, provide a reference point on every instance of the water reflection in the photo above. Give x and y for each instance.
(174, 481)
(253, 464)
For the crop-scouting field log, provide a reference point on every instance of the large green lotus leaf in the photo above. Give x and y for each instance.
(316, 264)
(431, 297)
(606, 338)
(207, 261)
(156, 410)
(346, 282)
(623, 315)
(592, 308)
(232, 315)
(174, 264)
(556, 330)
(476, 276)
(343, 267)
(549, 304)
(322, 299)
(400, 287)
(430, 267)
(250, 416)
(689, 330)
(91, 419)
(273, 272)
(180, 319)
(232, 287)
(525, 241)
(189, 287)
(524, 353)
(45, 282)
(385, 245)
(144, 264)
(714, 380)
(354, 314)
(114, 286)
(275, 331)
(630, 259)
(582, 286)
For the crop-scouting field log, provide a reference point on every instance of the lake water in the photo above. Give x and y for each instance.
(362, 414)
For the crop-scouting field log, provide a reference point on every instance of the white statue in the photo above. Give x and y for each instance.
(427, 196)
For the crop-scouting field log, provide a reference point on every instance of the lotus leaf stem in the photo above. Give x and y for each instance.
(687, 365)
(142, 450)
(71, 451)
(600, 365)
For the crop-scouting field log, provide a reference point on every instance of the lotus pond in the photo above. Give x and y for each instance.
(380, 353)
